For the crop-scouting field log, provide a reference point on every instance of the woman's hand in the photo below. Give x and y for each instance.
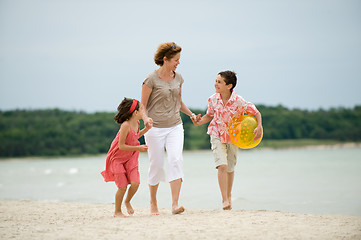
(258, 132)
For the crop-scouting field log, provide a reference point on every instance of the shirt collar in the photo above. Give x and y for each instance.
(232, 98)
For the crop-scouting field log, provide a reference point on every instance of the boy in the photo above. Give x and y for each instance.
(221, 107)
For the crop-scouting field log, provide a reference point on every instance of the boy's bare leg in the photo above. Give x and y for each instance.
(131, 191)
(153, 199)
(118, 202)
(175, 189)
(230, 177)
(222, 181)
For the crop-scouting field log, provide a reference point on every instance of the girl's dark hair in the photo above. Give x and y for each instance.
(124, 110)
(229, 78)
(168, 50)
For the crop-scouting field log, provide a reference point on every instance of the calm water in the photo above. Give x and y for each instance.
(317, 181)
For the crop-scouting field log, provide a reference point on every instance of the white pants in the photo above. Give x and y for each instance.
(169, 139)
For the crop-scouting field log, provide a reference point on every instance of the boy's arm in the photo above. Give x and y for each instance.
(259, 119)
(259, 129)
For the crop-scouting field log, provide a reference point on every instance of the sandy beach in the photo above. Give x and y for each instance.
(62, 220)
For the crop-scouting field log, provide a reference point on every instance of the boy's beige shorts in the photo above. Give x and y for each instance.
(224, 153)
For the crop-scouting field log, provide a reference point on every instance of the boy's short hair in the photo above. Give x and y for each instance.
(229, 77)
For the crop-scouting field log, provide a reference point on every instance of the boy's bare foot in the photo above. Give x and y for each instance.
(129, 207)
(119, 214)
(178, 210)
(154, 209)
(227, 205)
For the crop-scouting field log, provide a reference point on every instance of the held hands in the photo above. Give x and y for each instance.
(195, 119)
(258, 132)
(148, 123)
(143, 148)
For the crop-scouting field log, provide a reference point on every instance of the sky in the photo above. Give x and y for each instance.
(88, 55)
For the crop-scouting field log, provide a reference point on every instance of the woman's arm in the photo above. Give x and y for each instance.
(184, 109)
(146, 91)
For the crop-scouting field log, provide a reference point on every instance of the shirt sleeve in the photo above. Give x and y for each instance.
(247, 107)
(181, 79)
(149, 82)
(251, 109)
(210, 109)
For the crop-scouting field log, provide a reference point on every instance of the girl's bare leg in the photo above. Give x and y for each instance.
(230, 177)
(153, 199)
(222, 181)
(175, 189)
(118, 202)
(131, 191)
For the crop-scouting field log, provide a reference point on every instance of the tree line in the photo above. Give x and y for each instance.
(56, 132)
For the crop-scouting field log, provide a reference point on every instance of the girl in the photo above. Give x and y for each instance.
(122, 158)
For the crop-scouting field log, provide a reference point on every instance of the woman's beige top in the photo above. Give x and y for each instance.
(164, 102)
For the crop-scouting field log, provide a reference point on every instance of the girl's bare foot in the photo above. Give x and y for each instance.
(227, 205)
(119, 214)
(178, 210)
(154, 209)
(129, 207)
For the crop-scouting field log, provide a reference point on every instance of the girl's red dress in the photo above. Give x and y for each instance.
(122, 166)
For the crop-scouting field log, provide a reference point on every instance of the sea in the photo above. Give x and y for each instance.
(309, 180)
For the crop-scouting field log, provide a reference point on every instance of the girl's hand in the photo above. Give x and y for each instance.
(143, 148)
(258, 132)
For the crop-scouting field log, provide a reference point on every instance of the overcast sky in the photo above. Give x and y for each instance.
(88, 55)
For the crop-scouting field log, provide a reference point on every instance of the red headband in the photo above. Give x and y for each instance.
(134, 104)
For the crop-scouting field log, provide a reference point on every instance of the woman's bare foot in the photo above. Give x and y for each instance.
(129, 207)
(119, 214)
(154, 209)
(227, 205)
(178, 210)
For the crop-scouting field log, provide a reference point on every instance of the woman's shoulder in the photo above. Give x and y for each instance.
(150, 78)
(177, 74)
(151, 75)
(178, 77)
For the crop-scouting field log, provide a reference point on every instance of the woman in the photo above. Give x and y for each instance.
(161, 96)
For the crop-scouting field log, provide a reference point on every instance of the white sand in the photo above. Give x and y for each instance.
(59, 220)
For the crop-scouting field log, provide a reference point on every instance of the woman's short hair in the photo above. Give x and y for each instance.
(168, 50)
